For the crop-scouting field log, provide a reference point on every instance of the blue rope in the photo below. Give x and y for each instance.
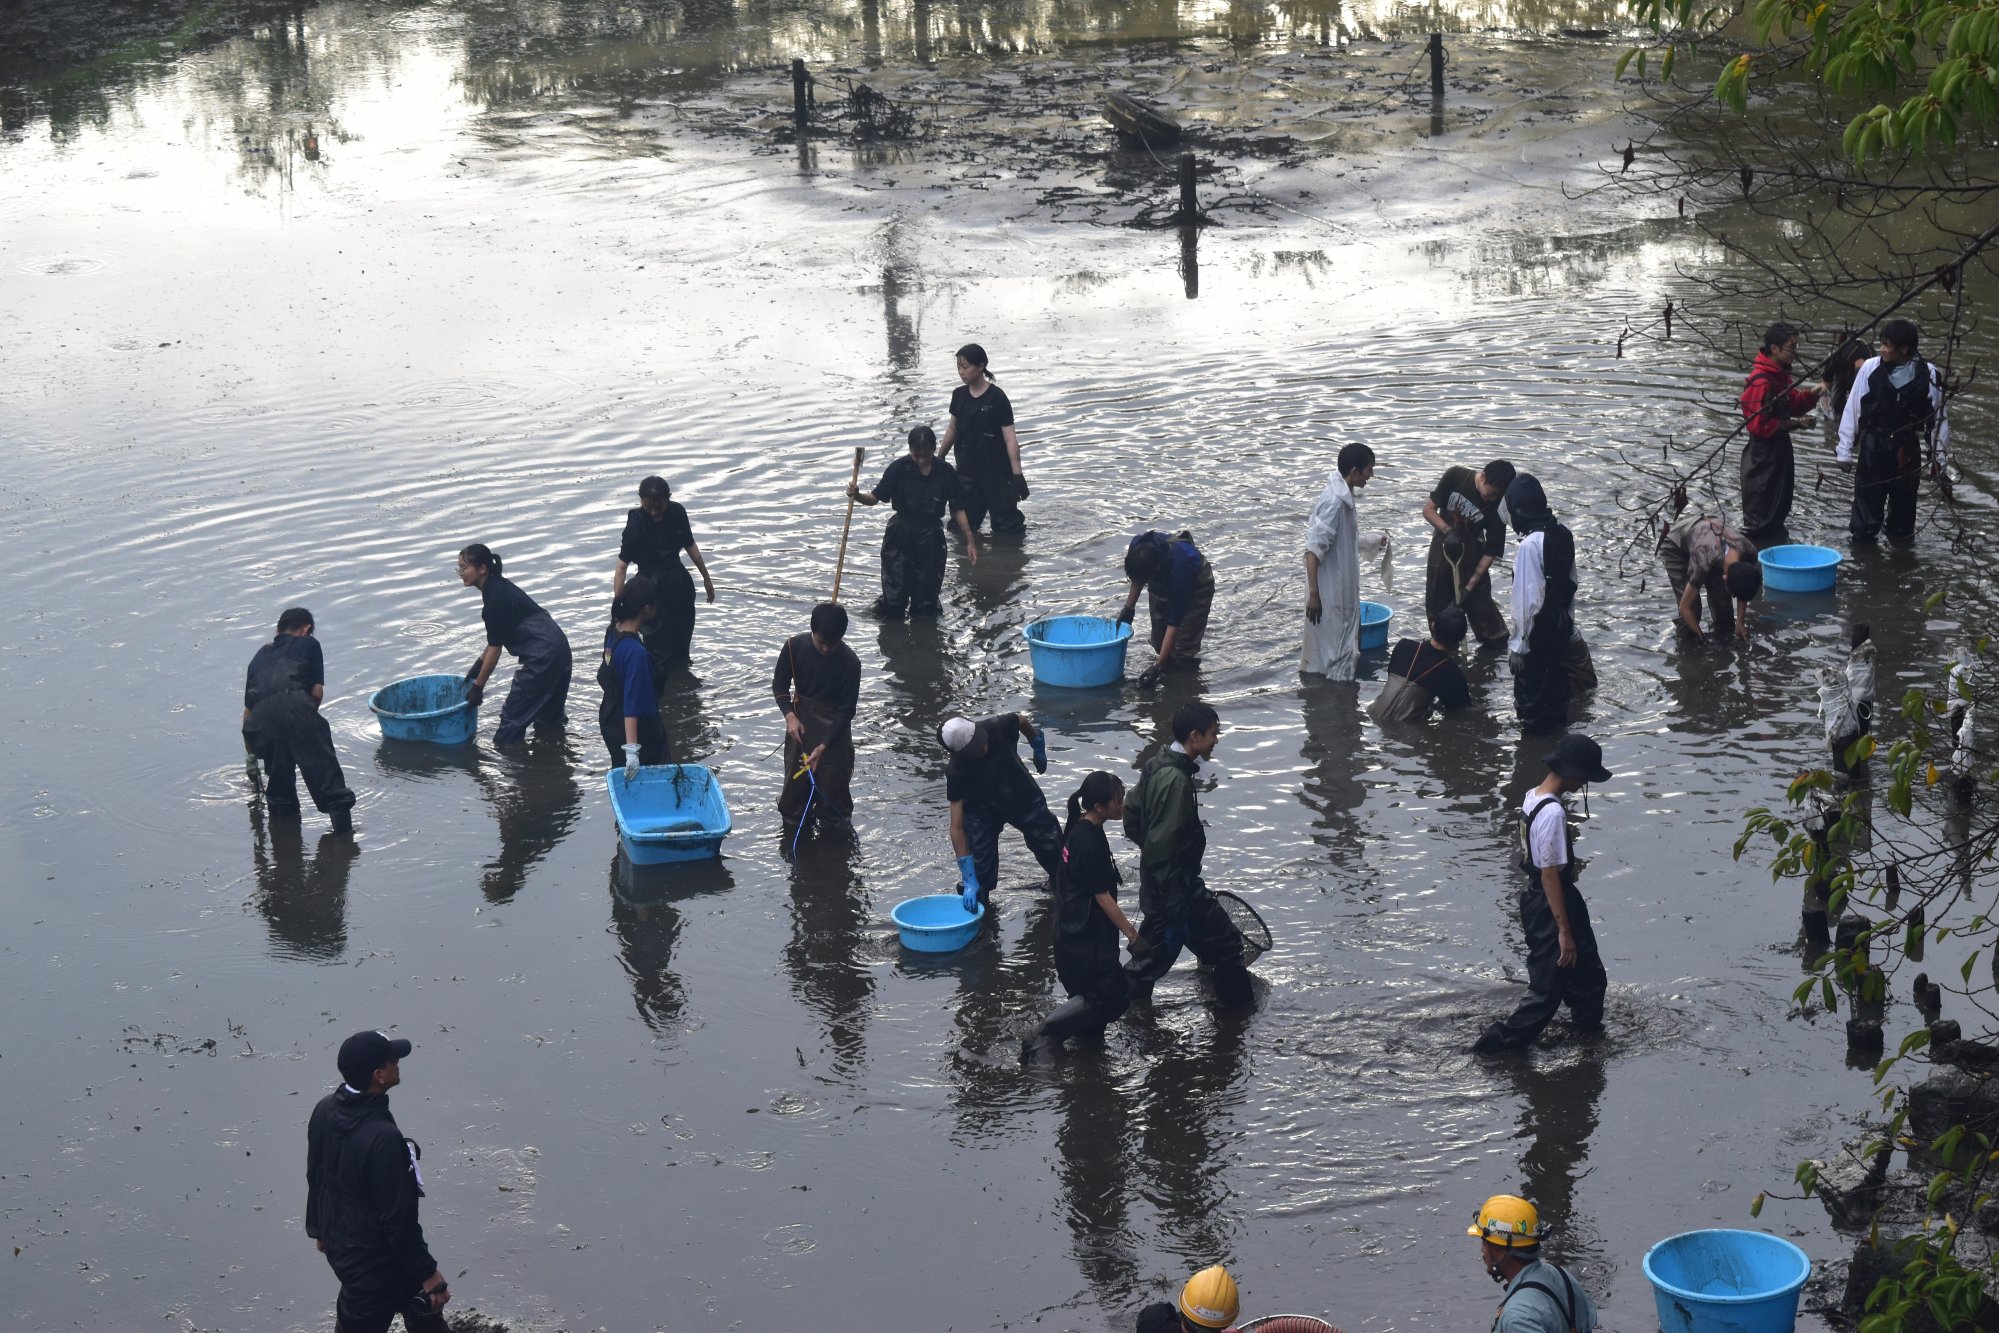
(806, 814)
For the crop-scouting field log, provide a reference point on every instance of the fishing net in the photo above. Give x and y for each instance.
(1256, 939)
(1288, 1323)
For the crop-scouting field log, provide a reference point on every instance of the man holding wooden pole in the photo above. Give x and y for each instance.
(817, 684)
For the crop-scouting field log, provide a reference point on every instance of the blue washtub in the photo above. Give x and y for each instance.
(426, 708)
(669, 812)
(936, 924)
(1799, 568)
(1726, 1282)
(1077, 652)
(1374, 617)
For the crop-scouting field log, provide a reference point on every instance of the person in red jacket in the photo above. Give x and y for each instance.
(1771, 407)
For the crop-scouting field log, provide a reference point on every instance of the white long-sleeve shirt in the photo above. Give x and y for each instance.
(1849, 420)
(1530, 588)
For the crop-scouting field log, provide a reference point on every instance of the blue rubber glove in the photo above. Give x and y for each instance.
(1039, 744)
(968, 881)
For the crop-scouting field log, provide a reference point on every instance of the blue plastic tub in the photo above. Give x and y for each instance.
(1726, 1282)
(669, 812)
(1374, 617)
(1077, 652)
(1799, 568)
(426, 708)
(936, 924)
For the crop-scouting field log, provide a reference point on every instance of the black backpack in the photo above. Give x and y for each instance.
(1134, 806)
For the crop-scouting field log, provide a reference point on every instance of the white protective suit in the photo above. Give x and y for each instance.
(1332, 533)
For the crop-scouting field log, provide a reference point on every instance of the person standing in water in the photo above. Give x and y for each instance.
(655, 535)
(989, 789)
(1771, 408)
(922, 489)
(1469, 537)
(817, 684)
(1895, 410)
(1544, 595)
(629, 715)
(540, 691)
(1332, 569)
(1179, 584)
(1088, 922)
(988, 449)
(283, 728)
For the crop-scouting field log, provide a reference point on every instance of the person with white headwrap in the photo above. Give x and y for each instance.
(1332, 570)
(988, 789)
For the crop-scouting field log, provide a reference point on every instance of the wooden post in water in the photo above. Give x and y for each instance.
(1190, 211)
(801, 94)
(1436, 65)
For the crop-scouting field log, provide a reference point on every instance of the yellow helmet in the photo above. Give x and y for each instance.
(1209, 1298)
(1508, 1220)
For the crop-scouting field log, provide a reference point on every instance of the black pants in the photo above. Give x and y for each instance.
(370, 1309)
(654, 745)
(1769, 481)
(1884, 492)
(1580, 986)
(1203, 926)
(988, 476)
(912, 566)
(412, 1323)
(1541, 692)
(1036, 825)
(287, 733)
(669, 635)
(1440, 589)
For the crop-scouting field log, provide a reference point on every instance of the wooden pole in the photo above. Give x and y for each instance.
(840, 566)
(1436, 64)
(801, 86)
(1190, 211)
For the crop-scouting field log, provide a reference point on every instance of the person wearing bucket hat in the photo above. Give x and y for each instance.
(1208, 1301)
(1563, 967)
(988, 789)
(363, 1181)
(1509, 1232)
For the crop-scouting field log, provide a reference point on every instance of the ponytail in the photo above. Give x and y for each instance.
(974, 355)
(1099, 788)
(480, 556)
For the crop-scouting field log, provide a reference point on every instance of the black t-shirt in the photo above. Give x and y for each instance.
(1087, 870)
(290, 661)
(655, 547)
(833, 680)
(503, 607)
(995, 780)
(1457, 497)
(979, 419)
(1436, 671)
(904, 487)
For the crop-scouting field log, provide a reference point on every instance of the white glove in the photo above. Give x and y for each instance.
(631, 762)
(253, 772)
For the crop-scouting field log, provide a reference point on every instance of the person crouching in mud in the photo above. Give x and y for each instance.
(988, 789)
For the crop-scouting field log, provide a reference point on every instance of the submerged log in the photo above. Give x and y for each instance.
(1140, 121)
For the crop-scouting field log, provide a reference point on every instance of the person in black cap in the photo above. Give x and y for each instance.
(1562, 962)
(655, 534)
(362, 1185)
(283, 728)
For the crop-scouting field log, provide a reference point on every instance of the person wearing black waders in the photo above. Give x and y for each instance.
(1164, 819)
(283, 729)
(982, 431)
(1540, 1297)
(1563, 967)
(1469, 537)
(628, 717)
(817, 684)
(1771, 410)
(1704, 556)
(1544, 594)
(540, 691)
(1179, 585)
(989, 789)
(655, 534)
(362, 1183)
(923, 491)
(1088, 922)
(1425, 676)
(1896, 405)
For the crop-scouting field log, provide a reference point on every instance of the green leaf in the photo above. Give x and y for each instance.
(1756, 1206)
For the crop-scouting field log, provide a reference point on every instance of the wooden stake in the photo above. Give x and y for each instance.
(840, 566)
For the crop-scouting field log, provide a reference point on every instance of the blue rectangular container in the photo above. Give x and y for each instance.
(669, 812)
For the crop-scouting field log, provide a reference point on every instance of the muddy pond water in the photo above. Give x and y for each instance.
(294, 313)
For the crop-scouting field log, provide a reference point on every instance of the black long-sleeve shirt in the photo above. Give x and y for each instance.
(361, 1194)
(833, 680)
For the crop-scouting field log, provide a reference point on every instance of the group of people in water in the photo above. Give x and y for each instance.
(1891, 428)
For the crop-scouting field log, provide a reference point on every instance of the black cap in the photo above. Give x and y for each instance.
(1577, 756)
(655, 486)
(365, 1052)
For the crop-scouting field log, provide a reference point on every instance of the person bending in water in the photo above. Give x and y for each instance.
(982, 431)
(1704, 555)
(514, 622)
(1424, 676)
(817, 684)
(922, 490)
(1179, 584)
(1469, 537)
(629, 715)
(283, 728)
(988, 789)
(1088, 922)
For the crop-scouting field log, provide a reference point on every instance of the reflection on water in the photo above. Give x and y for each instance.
(535, 799)
(647, 923)
(826, 956)
(303, 900)
(1559, 1106)
(1189, 1094)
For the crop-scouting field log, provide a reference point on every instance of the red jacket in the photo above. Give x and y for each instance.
(1769, 402)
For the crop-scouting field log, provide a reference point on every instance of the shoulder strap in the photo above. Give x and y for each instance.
(1567, 1306)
